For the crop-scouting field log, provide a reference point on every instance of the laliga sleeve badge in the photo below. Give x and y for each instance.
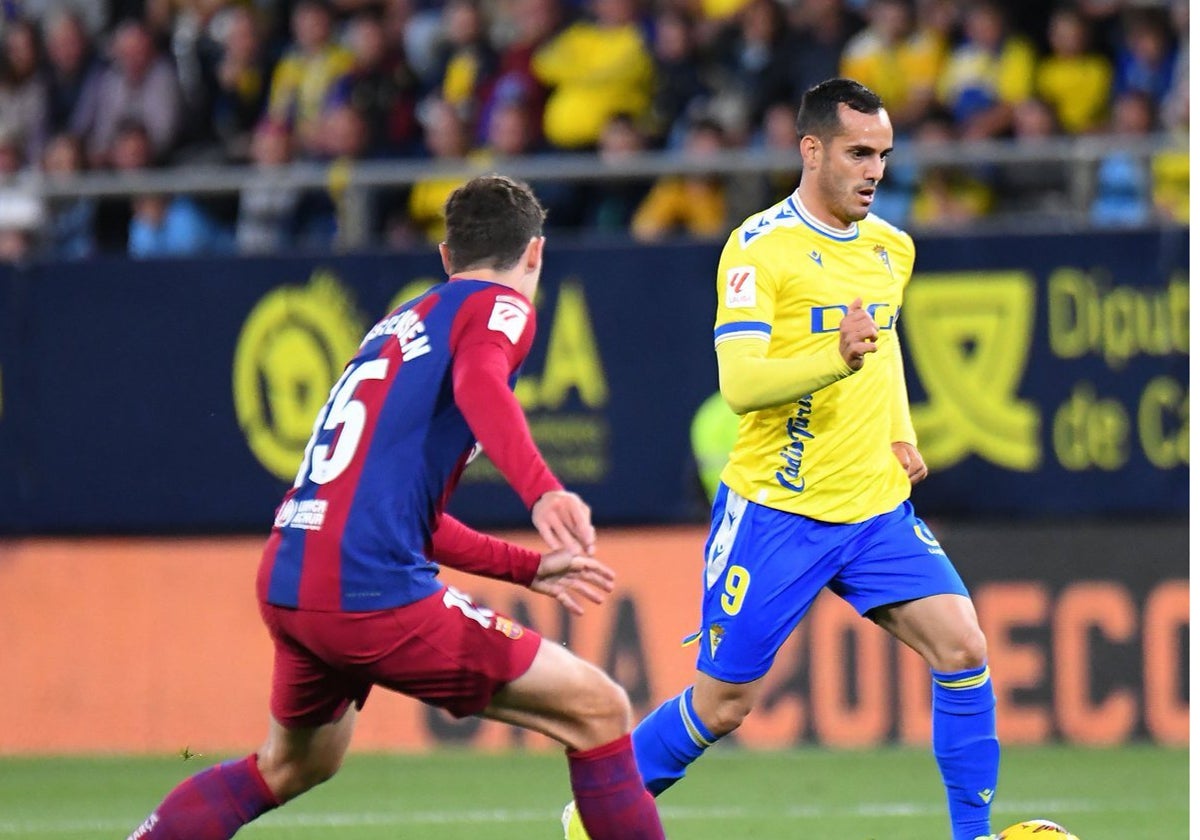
(740, 287)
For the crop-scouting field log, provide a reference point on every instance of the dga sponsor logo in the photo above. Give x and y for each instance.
(290, 352)
(827, 319)
(308, 515)
(793, 453)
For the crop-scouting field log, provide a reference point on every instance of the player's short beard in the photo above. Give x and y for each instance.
(838, 198)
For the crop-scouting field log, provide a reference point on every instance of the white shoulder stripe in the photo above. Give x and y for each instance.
(729, 336)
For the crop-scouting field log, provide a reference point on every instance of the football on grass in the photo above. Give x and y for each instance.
(1036, 830)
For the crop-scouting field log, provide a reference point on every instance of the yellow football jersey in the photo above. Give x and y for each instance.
(787, 279)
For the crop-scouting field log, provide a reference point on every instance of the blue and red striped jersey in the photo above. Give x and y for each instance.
(355, 531)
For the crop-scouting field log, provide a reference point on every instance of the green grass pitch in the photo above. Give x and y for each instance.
(1126, 793)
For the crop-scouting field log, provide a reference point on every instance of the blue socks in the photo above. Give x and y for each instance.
(966, 748)
(964, 744)
(668, 740)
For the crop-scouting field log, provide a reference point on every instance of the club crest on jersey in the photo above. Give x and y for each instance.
(740, 287)
(882, 253)
(508, 317)
(715, 634)
(508, 627)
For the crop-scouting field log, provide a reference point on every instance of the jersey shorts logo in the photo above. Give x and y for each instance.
(508, 317)
(740, 287)
(926, 536)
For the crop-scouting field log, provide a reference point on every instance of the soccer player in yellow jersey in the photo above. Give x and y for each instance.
(816, 490)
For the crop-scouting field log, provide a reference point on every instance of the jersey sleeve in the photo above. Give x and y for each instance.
(465, 549)
(746, 292)
(746, 298)
(491, 338)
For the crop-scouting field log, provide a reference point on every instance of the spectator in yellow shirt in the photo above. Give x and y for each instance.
(1073, 79)
(1170, 169)
(986, 75)
(466, 60)
(897, 60)
(595, 69)
(309, 74)
(448, 139)
(691, 204)
(947, 195)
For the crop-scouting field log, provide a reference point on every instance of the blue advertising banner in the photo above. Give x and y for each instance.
(11, 474)
(1048, 376)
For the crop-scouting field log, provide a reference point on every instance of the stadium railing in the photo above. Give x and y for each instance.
(1079, 155)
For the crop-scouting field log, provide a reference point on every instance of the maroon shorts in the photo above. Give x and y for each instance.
(443, 650)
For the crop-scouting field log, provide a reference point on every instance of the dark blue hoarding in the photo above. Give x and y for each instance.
(1048, 376)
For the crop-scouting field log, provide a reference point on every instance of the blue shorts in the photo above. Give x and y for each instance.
(764, 568)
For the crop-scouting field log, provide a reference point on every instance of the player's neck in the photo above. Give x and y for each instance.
(513, 280)
(812, 205)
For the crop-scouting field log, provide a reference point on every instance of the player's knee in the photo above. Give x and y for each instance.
(727, 714)
(288, 777)
(966, 651)
(601, 710)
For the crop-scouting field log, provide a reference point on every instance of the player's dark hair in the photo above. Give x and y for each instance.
(489, 222)
(818, 113)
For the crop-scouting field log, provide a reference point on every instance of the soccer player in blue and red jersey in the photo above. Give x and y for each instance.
(348, 585)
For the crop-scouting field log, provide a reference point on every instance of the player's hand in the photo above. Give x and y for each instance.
(856, 335)
(911, 460)
(567, 577)
(565, 522)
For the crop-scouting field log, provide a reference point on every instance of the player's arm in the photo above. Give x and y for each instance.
(751, 381)
(480, 379)
(463, 548)
(486, 353)
(558, 574)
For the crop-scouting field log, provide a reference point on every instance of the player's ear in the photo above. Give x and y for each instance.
(533, 253)
(447, 264)
(810, 149)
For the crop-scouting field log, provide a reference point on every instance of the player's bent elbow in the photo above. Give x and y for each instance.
(738, 400)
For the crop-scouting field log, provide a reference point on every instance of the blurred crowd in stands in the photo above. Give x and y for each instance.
(128, 85)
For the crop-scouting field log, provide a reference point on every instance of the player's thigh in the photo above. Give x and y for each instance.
(763, 569)
(892, 558)
(566, 698)
(309, 688)
(943, 629)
